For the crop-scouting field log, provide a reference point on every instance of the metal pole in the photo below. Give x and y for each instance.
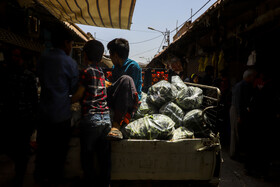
(168, 36)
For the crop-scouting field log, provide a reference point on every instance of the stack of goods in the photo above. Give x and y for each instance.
(169, 111)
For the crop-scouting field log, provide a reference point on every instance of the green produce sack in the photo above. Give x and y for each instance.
(178, 83)
(193, 121)
(172, 110)
(161, 92)
(182, 133)
(145, 108)
(190, 98)
(156, 126)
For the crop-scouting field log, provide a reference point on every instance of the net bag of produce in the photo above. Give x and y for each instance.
(172, 110)
(182, 133)
(189, 98)
(194, 121)
(156, 126)
(145, 108)
(178, 83)
(161, 93)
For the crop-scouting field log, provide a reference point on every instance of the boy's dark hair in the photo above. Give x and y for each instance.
(60, 35)
(94, 50)
(119, 46)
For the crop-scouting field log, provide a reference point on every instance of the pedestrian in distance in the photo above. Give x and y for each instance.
(242, 94)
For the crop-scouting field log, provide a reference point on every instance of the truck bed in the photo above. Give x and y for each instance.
(188, 159)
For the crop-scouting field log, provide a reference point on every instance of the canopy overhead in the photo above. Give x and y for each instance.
(100, 13)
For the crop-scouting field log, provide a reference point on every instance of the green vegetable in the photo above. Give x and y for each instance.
(174, 112)
(161, 92)
(156, 126)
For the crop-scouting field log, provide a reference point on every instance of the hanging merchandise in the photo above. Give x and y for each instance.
(200, 65)
(213, 61)
(221, 61)
(205, 62)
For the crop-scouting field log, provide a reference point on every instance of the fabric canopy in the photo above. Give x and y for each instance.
(101, 13)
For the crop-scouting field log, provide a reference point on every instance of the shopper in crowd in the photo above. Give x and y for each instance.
(208, 76)
(95, 123)
(124, 90)
(58, 74)
(264, 125)
(19, 102)
(239, 114)
(223, 83)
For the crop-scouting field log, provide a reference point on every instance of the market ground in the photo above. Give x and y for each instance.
(232, 172)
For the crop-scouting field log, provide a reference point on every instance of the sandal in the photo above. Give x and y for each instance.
(114, 135)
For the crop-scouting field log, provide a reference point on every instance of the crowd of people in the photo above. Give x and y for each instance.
(106, 106)
(250, 116)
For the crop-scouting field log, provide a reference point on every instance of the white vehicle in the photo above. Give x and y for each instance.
(170, 163)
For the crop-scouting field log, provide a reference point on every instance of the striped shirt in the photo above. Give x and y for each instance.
(94, 99)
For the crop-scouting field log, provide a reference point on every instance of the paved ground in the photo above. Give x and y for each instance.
(232, 174)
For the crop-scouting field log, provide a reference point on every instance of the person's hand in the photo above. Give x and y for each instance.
(107, 84)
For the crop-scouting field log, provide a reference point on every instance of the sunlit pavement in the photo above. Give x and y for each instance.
(232, 173)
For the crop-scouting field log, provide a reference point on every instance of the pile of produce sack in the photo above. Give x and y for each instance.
(169, 111)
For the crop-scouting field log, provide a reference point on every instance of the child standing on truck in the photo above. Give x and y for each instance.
(95, 123)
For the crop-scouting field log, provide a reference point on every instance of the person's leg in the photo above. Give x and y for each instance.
(21, 158)
(61, 137)
(43, 161)
(233, 133)
(104, 153)
(123, 100)
(53, 140)
(87, 140)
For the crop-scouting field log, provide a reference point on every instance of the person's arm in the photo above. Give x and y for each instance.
(79, 94)
(107, 84)
(136, 74)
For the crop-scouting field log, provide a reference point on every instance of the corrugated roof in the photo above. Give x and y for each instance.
(101, 13)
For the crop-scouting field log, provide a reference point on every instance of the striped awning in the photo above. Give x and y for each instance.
(100, 13)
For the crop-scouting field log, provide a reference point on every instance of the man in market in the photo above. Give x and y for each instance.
(58, 74)
(239, 112)
(18, 103)
(124, 91)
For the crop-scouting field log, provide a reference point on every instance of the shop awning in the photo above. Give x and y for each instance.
(100, 13)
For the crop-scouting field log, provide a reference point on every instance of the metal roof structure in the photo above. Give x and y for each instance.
(109, 13)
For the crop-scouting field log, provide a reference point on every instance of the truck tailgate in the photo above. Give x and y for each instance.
(163, 160)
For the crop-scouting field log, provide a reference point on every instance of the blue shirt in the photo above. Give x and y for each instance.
(132, 69)
(58, 75)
